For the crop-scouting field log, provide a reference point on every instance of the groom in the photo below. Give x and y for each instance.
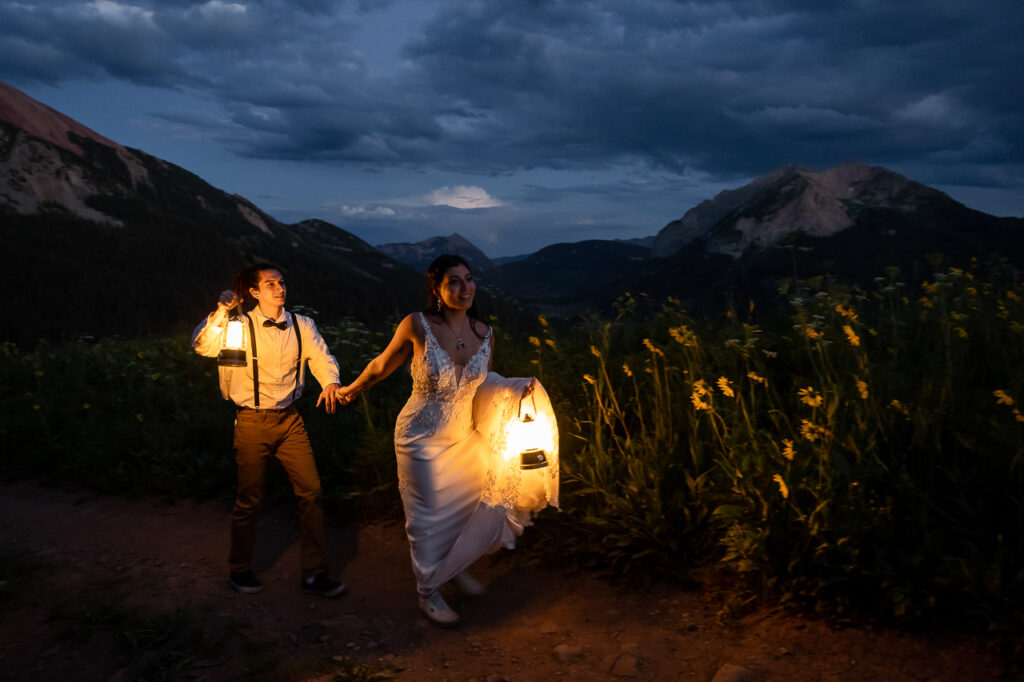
(278, 345)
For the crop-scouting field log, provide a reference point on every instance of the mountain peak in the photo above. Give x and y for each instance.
(41, 145)
(39, 120)
(786, 200)
(420, 255)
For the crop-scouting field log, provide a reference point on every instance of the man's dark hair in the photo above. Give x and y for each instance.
(249, 278)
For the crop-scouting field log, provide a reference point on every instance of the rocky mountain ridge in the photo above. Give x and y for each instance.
(791, 199)
(155, 242)
(421, 254)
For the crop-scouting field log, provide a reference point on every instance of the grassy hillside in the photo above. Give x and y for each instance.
(854, 451)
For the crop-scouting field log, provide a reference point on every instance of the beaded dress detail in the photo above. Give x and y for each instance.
(442, 392)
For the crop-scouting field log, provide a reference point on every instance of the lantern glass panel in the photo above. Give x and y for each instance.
(232, 345)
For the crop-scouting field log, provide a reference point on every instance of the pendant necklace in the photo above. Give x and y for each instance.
(459, 343)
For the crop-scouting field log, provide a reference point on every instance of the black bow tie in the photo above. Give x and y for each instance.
(280, 325)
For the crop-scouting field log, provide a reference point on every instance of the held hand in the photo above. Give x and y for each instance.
(347, 394)
(330, 397)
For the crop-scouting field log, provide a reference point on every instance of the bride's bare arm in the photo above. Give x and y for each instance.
(381, 367)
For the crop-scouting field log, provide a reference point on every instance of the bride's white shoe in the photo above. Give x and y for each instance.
(436, 609)
(469, 585)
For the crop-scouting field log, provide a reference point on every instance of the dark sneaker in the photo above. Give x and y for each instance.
(322, 586)
(245, 582)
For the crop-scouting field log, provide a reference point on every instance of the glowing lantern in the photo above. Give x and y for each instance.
(232, 345)
(529, 436)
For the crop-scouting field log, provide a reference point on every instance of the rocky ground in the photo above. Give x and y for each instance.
(107, 588)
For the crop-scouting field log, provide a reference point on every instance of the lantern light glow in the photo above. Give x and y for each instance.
(232, 347)
(530, 438)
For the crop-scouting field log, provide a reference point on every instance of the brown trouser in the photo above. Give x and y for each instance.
(260, 434)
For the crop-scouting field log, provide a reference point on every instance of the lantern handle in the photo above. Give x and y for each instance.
(528, 392)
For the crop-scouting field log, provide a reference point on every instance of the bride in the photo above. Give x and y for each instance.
(462, 496)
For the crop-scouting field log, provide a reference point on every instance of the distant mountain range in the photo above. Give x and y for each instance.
(420, 255)
(102, 239)
(850, 221)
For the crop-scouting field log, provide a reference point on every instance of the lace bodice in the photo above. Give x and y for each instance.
(441, 403)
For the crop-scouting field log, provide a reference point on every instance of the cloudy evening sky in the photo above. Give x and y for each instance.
(523, 123)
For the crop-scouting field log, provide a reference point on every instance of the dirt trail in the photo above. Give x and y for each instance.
(534, 624)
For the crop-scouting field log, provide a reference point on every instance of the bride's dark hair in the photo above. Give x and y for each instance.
(435, 276)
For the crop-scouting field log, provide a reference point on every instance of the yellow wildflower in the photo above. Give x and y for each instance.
(782, 486)
(86, 406)
(846, 312)
(723, 385)
(813, 333)
(589, 379)
(787, 450)
(543, 320)
(654, 349)
(700, 390)
(1002, 398)
(683, 335)
(550, 342)
(899, 407)
(808, 430)
(809, 397)
(927, 302)
(812, 431)
(972, 292)
(755, 377)
(1012, 295)
(851, 335)
(928, 288)
(535, 341)
(596, 353)
(961, 333)
(862, 387)
(627, 370)
(956, 271)
(1017, 415)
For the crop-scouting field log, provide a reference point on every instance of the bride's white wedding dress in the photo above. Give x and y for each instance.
(463, 495)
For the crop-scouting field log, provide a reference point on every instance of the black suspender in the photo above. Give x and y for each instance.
(256, 366)
(298, 360)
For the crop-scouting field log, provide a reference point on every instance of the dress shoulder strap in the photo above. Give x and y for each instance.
(427, 332)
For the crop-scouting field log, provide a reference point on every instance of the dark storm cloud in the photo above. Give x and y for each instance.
(732, 88)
